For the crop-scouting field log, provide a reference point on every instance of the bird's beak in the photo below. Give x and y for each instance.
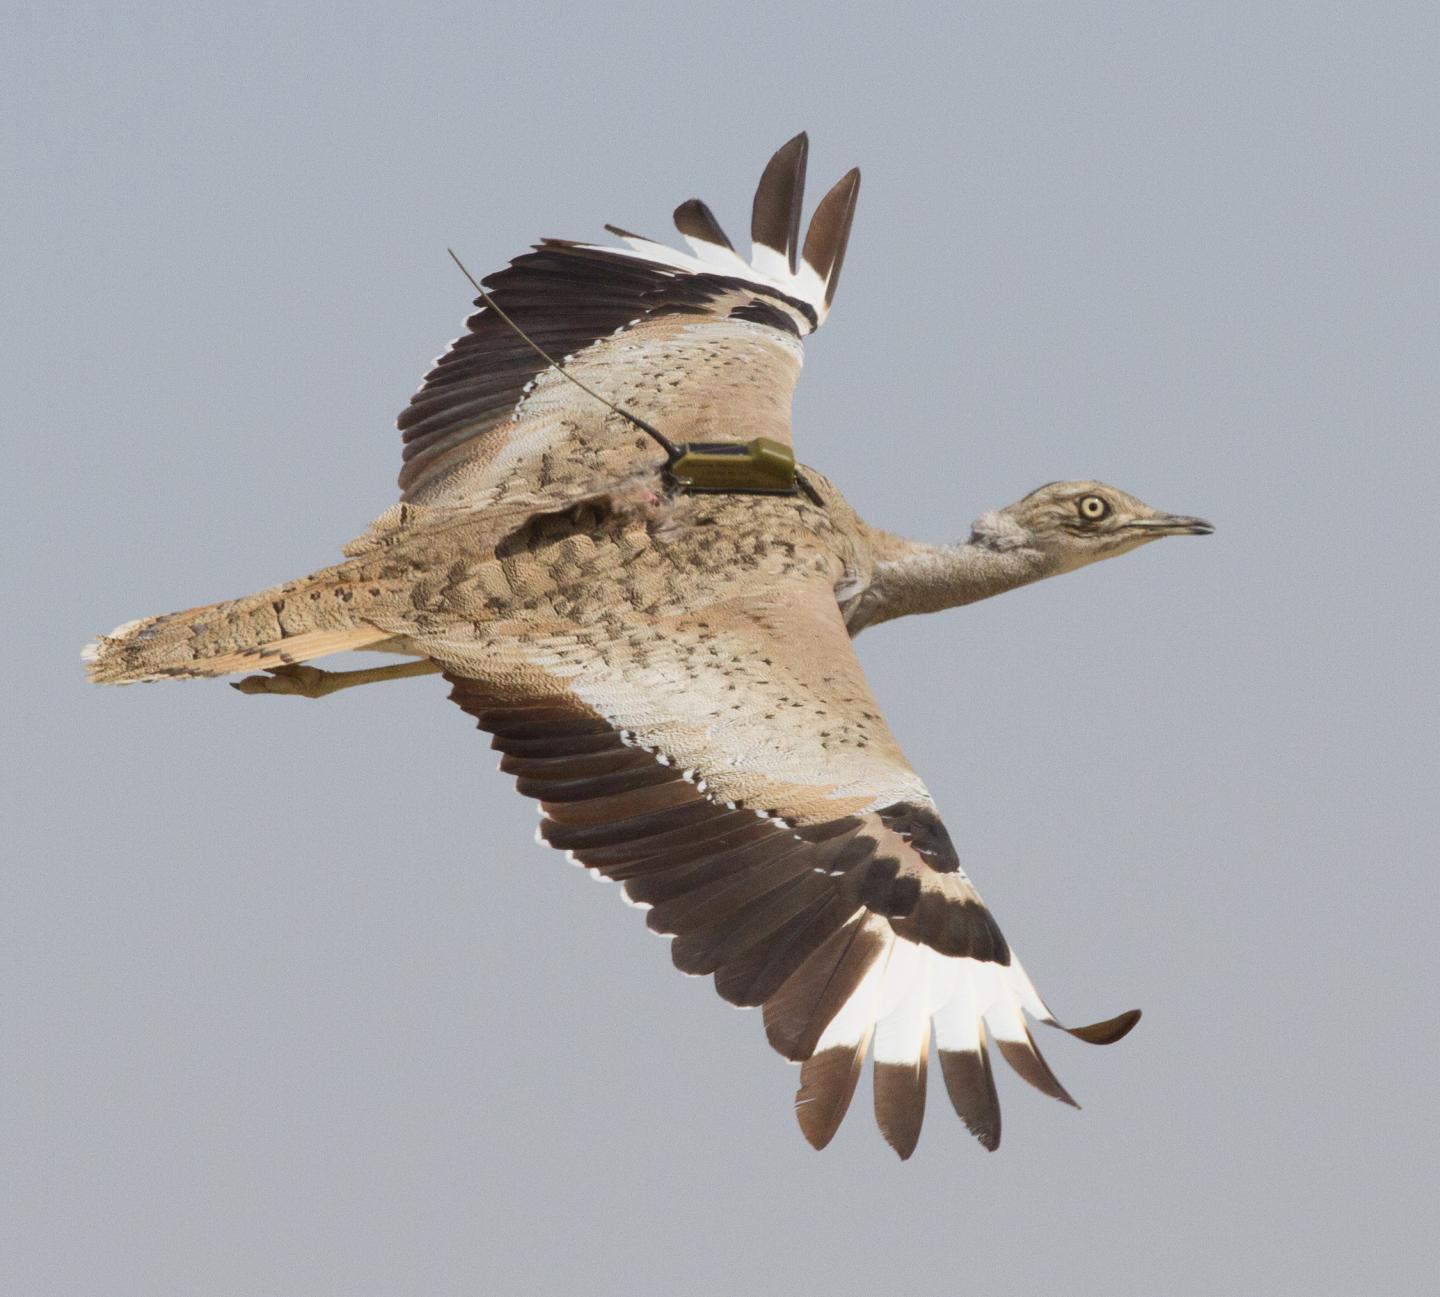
(1172, 524)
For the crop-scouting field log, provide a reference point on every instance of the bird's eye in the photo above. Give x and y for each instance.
(1092, 508)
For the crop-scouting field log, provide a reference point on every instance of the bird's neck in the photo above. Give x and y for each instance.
(917, 578)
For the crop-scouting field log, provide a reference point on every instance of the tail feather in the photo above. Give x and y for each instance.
(295, 622)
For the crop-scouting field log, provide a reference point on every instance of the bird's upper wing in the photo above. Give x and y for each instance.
(730, 768)
(705, 347)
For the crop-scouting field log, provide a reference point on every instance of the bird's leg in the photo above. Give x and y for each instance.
(311, 682)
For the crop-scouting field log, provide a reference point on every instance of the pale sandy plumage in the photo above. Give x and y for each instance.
(670, 674)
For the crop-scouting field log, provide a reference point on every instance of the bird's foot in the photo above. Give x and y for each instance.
(293, 678)
(310, 682)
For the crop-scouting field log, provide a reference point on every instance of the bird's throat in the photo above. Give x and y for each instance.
(929, 578)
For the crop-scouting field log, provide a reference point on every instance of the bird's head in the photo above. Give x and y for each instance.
(1075, 523)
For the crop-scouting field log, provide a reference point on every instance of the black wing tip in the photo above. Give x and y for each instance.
(1107, 1032)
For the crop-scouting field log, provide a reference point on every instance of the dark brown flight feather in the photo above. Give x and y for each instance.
(900, 1100)
(829, 232)
(827, 1084)
(775, 216)
(800, 1011)
(1025, 1057)
(1107, 1032)
(970, 1083)
(695, 220)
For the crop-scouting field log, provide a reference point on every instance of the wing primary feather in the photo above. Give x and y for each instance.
(970, 1083)
(902, 1046)
(696, 221)
(799, 1012)
(1107, 1032)
(965, 1063)
(1025, 1057)
(775, 216)
(829, 232)
(900, 1097)
(620, 232)
(827, 1085)
(829, 1076)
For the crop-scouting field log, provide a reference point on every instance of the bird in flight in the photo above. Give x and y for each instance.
(604, 545)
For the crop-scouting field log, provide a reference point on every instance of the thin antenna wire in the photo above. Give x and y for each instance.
(672, 451)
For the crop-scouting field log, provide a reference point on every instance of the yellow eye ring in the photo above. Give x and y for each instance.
(1092, 508)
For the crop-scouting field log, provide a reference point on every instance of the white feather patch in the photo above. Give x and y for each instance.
(767, 268)
(904, 1030)
(772, 265)
(857, 1015)
(727, 260)
(910, 985)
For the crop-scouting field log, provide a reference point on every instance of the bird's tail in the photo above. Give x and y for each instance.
(309, 618)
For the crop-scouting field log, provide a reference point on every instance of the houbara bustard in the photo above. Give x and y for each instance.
(660, 645)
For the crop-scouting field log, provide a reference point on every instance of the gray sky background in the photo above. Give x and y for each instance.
(292, 1002)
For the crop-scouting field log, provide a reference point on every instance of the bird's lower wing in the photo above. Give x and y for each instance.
(730, 769)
